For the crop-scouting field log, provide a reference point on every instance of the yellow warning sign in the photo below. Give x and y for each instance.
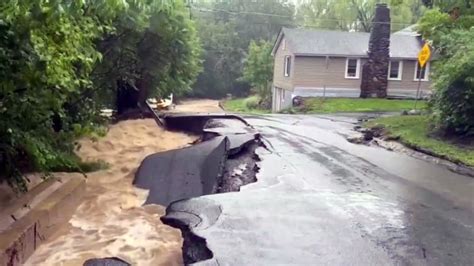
(424, 55)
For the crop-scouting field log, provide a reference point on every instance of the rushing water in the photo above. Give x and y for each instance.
(111, 221)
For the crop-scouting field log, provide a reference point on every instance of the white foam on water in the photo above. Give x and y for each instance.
(111, 221)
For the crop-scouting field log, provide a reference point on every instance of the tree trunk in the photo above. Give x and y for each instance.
(127, 98)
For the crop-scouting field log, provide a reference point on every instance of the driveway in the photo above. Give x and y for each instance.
(198, 106)
(320, 200)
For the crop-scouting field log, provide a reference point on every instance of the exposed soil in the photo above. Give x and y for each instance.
(111, 221)
(240, 168)
(379, 136)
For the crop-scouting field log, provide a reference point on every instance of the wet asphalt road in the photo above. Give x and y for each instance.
(320, 200)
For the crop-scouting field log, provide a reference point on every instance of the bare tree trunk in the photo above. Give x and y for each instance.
(126, 98)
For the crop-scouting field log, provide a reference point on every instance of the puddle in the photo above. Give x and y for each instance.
(111, 221)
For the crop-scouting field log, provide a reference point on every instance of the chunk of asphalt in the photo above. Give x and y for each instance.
(183, 173)
(227, 126)
(187, 216)
(106, 262)
(238, 141)
(195, 123)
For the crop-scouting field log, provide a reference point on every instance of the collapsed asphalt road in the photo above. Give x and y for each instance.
(319, 199)
(222, 161)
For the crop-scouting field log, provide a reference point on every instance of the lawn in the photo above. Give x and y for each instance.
(414, 131)
(334, 105)
(328, 105)
(243, 105)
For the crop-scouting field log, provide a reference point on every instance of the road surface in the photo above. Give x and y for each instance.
(320, 200)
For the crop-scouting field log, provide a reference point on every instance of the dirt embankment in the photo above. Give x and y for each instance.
(111, 222)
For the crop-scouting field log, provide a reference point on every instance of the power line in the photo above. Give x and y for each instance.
(214, 10)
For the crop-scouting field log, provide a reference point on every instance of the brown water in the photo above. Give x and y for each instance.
(111, 221)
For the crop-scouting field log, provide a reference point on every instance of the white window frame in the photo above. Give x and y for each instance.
(357, 68)
(286, 71)
(400, 70)
(427, 72)
(283, 44)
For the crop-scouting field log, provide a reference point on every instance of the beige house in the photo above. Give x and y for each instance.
(315, 63)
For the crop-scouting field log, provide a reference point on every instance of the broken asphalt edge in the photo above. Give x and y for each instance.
(182, 214)
(194, 123)
(183, 173)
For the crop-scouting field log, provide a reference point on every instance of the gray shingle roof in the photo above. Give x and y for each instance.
(410, 30)
(339, 43)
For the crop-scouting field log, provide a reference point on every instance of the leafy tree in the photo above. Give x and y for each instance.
(226, 29)
(59, 61)
(258, 69)
(47, 50)
(356, 15)
(153, 51)
(452, 37)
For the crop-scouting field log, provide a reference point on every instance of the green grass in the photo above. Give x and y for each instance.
(329, 105)
(414, 131)
(241, 105)
(334, 105)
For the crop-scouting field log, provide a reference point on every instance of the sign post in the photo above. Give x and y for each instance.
(423, 57)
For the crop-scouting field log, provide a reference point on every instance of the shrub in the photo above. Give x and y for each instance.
(454, 108)
(453, 40)
(252, 102)
(258, 68)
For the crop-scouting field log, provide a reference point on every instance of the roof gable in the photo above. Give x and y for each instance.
(306, 42)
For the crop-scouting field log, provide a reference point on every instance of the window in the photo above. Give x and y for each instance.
(283, 44)
(395, 69)
(422, 72)
(287, 66)
(352, 68)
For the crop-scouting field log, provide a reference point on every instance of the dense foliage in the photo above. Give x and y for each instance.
(60, 63)
(356, 15)
(450, 29)
(226, 29)
(258, 70)
(154, 49)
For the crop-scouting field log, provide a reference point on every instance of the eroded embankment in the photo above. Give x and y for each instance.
(222, 161)
(380, 137)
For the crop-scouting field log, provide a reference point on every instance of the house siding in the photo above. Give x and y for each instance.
(407, 86)
(311, 76)
(279, 79)
(312, 72)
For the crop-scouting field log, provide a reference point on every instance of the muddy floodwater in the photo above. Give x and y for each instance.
(111, 221)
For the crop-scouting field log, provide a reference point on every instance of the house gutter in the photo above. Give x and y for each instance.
(347, 55)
